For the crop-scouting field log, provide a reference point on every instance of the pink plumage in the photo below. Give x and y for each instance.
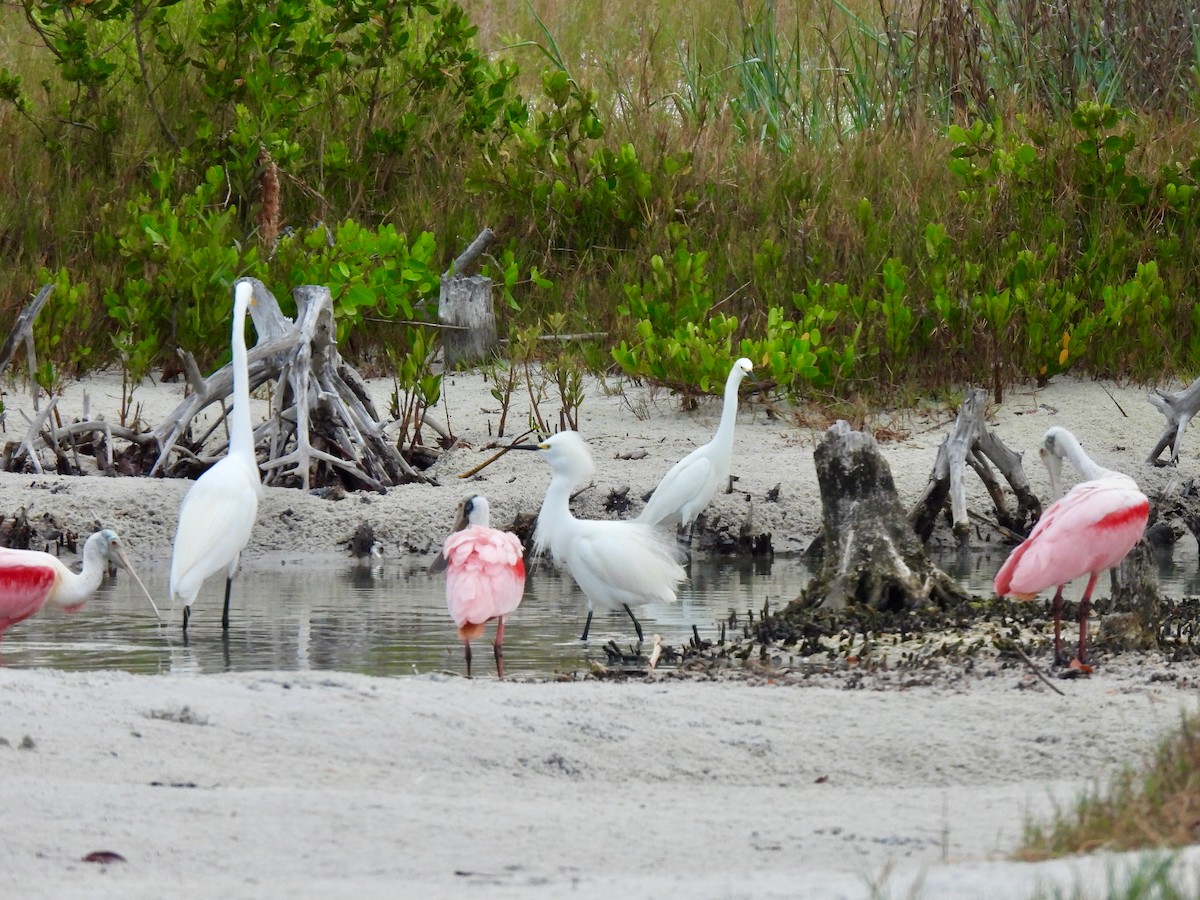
(485, 576)
(25, 586)
(1087, 532)
(31, 579)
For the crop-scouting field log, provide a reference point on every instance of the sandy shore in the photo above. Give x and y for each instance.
(330, 784)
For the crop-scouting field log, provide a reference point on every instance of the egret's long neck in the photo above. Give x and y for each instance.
(724, 435)
(555, 517)
(241, 433)
(1084, 464)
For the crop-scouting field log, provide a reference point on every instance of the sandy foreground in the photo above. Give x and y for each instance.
(321, 784)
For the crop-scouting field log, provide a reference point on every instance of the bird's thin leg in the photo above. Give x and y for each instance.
(636, 624)
(587, 626)
(1057, 606)
(225, 613)
(187, 614)
(467, 654)
(498, 647)
(1085, 606)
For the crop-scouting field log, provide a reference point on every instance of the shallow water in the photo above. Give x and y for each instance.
(391, 619)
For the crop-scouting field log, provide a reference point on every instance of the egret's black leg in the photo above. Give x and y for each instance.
(187, 614)
(587, 626)
(636, 623)
(225, 614)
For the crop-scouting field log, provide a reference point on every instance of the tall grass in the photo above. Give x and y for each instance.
(801, 144)
(1155, 806)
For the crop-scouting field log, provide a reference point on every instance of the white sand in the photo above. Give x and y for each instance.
(330, 784)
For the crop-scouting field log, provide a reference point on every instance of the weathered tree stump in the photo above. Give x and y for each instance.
(1179, 408)
(465, 308)
(972, 444)
(871, 554)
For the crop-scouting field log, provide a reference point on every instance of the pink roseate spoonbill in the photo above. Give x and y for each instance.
(617, 564)
(31, 579)
(693, 481)
(1087, 532)
(485, 576)
(218, 512)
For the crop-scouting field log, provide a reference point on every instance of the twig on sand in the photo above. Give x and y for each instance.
(495, 456)
(1036, 671)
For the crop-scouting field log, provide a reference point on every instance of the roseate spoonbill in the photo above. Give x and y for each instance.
(1087, 532)
(617, 565)
(485, 576)
(29, 579)
(693, 481)
(218, 512)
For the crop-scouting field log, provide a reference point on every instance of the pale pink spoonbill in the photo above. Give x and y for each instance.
(218, 512)
(485, 576)
(618, 565)
(1087, 532)
(692, 482)
(31, 579)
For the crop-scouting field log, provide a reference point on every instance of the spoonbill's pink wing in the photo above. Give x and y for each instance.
(1089, 530)
(485, 574)
(25, 585)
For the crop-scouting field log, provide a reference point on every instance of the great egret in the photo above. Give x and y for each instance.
(217, 515)
(618, 565)
(485, 576)
(1087, 532)
(693, 481)
(30, 579)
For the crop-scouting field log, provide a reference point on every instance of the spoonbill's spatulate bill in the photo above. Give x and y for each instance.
(485, 576)
(218, 512)
(693, 481)
(618, 565)
(1087, 532)
(31, 579)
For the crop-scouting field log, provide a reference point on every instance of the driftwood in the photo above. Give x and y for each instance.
(1179, 408)
(22, 331)
(322, 419)
(871, 554)
(972, 444)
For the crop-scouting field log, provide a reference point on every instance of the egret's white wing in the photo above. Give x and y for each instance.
(215, 521)
(692, 480)
(625, 563)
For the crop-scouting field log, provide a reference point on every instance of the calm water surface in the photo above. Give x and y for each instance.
(391, 619)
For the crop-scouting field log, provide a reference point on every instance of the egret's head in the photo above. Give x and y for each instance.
(567, 453)
(744, 366)
(243, 294)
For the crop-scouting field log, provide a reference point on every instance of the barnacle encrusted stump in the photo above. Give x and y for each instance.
(871, 554)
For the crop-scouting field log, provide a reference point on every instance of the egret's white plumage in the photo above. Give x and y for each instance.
(218, 513)
(618, 565)
(693, 481)
(31, 579)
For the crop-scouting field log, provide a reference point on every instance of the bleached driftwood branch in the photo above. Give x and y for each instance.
(972, 444)
(1179, 408)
